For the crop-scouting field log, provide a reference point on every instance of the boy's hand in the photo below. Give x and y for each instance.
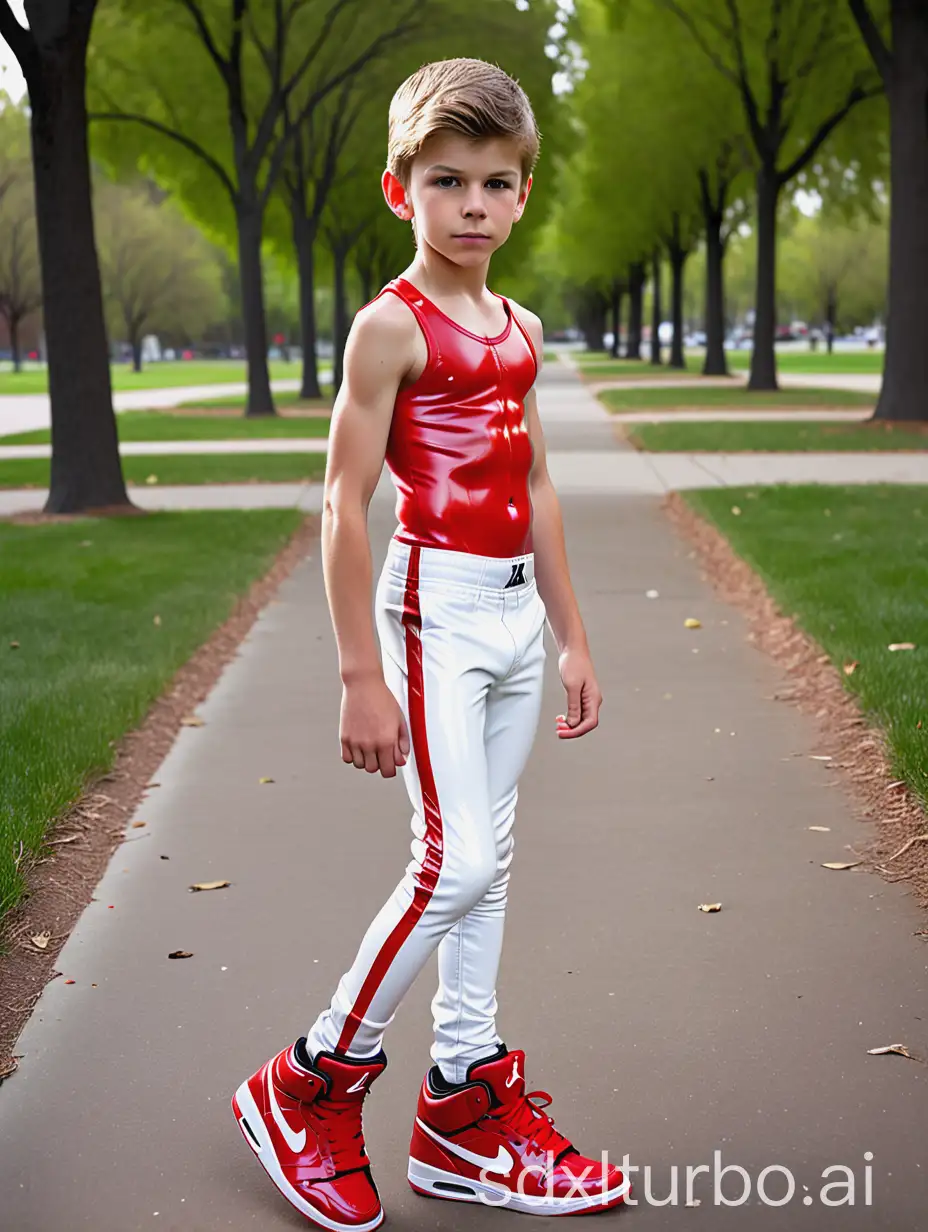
(583, 695)
(372, 729)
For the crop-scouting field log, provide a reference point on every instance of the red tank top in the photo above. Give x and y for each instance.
(459, 451)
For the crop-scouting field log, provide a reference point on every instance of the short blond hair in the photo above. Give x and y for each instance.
(465, 96)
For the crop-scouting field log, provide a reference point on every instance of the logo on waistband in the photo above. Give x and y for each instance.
(518, 575)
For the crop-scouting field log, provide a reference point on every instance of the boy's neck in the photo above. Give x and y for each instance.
(436, 276)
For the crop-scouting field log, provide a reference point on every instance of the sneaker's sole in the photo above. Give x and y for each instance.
(436, 1183)
(254, 1131)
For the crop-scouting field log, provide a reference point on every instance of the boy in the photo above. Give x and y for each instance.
(439, 381)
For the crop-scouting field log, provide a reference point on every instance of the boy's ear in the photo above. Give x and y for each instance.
(396, 196)
(523, 197)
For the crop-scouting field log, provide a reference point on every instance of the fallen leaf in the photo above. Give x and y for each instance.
(148, 786)
(736, 511)
(210, 885)
(192, 720)
(152, 479)
(692, 623)
(819, 757)
(838, 866)
(899, 1049)
(181, 954)
(70, 981)
(824, 829)
(85, 543)
(41, 940)
(70, 838)
(14, 645)
(901, 646)
(156, 620)
(651, 594)
(710, 906)
(265, 780)
(851, 668)
(136, 824)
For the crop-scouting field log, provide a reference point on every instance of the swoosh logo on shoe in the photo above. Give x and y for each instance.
(501, 1162)
(295, 1141)
(358, 1086)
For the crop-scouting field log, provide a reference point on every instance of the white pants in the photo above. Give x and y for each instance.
(463, 652)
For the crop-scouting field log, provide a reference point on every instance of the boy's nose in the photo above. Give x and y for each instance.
(474, 207)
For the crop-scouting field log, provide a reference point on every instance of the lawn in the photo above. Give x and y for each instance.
(722, 396)
(774, 437)
(79, 599)
(168, 374)
(165, 426)
(840, 362)
(287, 400)
(851, 565)
(184, 469)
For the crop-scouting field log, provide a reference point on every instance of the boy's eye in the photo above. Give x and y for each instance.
(446, 181)
(498, 183)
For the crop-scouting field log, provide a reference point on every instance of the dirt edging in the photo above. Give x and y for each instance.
(77, 848)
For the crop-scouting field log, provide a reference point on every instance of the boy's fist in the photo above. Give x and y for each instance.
(372, 728)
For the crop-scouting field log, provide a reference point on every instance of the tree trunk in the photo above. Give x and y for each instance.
(303, 238)
(13, 323)
(85, 470)
(340, 316)
(831, 316)
(617, 294)
(715, 362)
(636, 297)
(260, 400)
(656, 312)
(677, 262)
(905, 373)
(763, 357)
(591, 318)
(136, 355)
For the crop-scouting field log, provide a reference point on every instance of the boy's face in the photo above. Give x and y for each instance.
(464, 195)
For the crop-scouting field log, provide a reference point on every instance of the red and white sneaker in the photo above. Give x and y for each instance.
(487, 1141)
(304, 1125)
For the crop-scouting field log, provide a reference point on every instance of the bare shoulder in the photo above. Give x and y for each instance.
(533, 326)
(385, 322)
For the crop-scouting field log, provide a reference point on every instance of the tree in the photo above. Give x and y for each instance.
(255, 59)
(797, 75)
(159, 273)
(52, 53)
(20, 276)
(903, 69)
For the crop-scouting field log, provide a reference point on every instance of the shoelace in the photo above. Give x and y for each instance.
(525, 1118)
(341, 1122)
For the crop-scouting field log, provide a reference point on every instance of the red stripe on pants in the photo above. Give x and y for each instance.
(427, 878)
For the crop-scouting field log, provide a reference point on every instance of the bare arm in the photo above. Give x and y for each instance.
(552, 575)
(379, 352)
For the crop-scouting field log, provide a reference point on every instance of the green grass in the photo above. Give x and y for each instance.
(841, 362)
(163, 426)
(180, 469)
(34, 379)
(851, 565)
(80, 598)
(723, 396)
(282, 401)
(774, 437)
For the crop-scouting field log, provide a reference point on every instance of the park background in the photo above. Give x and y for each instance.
(725, 240)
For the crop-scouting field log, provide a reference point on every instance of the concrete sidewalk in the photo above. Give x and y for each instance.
(660, 1031)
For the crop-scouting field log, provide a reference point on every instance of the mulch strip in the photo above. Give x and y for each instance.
(77, 848)
(857, 747)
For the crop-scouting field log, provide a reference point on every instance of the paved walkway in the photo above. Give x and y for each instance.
(660, 1031)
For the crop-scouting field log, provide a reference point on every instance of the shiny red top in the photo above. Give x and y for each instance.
(459, 450)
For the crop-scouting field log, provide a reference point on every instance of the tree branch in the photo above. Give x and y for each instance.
(21, 42)
(857, 95)
(187, 142)
(330, 18)
(694, 30)
(744, 85)
(882, 56)
(206, 37)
